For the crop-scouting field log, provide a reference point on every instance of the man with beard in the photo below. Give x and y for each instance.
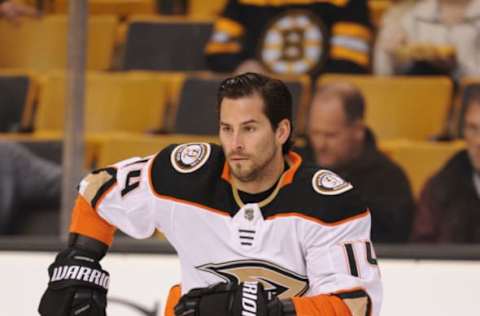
(256, 231)
(338, 139)
(450, 201)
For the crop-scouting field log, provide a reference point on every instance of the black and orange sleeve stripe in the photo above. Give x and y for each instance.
(86, 221)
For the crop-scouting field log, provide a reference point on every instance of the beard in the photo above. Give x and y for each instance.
(252, 169)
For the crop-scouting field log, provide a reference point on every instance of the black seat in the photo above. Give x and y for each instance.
(197, 108)
(15, 98)
(166, 45)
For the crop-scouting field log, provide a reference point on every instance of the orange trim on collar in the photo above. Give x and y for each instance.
(293, 159)
(226, 173)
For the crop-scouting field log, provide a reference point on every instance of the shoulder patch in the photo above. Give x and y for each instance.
(329, 183)
(189, 157)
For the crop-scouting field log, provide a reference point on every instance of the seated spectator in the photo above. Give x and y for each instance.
(12, 11)
(27, 183)
(338, 139)
(291, 38)
(449, 206)
(430, 37)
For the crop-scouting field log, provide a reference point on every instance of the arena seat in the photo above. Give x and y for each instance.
(120, 8)
(17, 93)
(166, 44)
(117, 147)
(130, 102)
(196, 111)
(420, 159)
(205, 9)
(402, 107)
(42, 43)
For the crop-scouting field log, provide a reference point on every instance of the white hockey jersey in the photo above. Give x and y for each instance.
(309, 236)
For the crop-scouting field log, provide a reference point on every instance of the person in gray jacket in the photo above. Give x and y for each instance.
(27, 182)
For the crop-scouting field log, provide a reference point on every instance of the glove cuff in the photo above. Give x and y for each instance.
(288, 308)
(279, 307)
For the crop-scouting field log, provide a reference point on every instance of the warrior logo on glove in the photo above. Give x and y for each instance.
(80, 273)
(249, 298)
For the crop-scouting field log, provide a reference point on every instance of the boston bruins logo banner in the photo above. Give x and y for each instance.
(275, 279)
(293, 43)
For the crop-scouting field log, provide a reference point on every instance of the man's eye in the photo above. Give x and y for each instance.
(250, 129)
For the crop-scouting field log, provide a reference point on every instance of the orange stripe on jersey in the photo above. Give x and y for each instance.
(172, 300)
(294, 160)
(222, 48)
(226, 173)
(353, 30)
(229, 26)
(87, 222)
(314, 219)
(325, 305)
(360, 58)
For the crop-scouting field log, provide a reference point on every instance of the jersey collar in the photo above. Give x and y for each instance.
(293, 161)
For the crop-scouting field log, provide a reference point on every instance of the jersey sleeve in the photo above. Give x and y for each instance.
(224, 50)
(120, 197)
(351, 39)
(342, 270)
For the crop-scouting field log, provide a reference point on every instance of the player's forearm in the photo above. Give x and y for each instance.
(87, 222)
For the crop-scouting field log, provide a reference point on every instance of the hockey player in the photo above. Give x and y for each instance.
(257, 232)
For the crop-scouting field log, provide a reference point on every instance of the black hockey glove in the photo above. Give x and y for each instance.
(78, 286)
(230, 299)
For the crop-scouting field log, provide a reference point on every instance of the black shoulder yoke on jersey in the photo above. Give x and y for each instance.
(206, 187)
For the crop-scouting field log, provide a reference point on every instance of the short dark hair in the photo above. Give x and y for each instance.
(350, 96)
(470, 96)
(275, 94)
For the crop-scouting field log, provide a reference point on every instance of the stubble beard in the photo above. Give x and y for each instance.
(254, 171)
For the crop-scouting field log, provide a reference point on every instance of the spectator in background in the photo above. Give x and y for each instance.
(27, 183)
(431, 37)
(285, 37)
(12, 11)
(338, 139)
(449, 206)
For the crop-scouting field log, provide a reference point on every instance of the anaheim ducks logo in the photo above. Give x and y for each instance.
(189, 157)
(275, 279)
(329, 183)
(293, 43)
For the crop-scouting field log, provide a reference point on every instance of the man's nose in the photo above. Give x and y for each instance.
(237, 143)
(321, 142)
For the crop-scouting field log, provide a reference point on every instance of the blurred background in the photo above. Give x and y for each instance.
(84, 84)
